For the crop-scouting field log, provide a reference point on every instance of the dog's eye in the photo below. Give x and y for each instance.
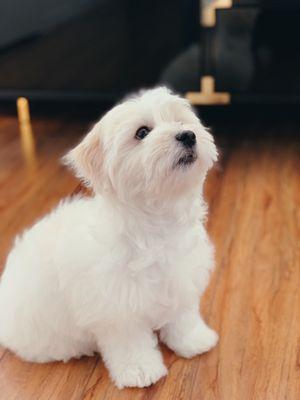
(142, 132)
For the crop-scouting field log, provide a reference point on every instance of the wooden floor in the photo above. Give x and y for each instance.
(254, 297)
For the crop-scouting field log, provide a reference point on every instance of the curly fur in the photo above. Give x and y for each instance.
(103, 274)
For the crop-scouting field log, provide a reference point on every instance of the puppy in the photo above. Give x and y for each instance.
(104, 274)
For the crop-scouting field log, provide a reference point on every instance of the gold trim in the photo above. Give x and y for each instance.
(26, 132)
(208, 11)
(207, 95)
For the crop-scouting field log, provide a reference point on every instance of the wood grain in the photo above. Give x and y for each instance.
(253, 300)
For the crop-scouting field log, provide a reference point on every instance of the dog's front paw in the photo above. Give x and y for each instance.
(140, 373)
(200, 340)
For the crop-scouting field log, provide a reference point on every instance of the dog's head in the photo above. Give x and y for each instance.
(151, 146)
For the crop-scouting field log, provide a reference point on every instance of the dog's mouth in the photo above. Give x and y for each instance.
(187, 159)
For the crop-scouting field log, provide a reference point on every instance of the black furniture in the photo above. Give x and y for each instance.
(213, 51)
(93, 49)
(250, 52)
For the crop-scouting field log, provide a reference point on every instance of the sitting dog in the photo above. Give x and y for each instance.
(109, 273)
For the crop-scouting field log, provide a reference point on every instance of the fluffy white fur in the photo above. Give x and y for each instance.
(104, 274)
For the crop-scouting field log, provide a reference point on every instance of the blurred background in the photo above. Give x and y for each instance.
(102, 49)
(64, 63)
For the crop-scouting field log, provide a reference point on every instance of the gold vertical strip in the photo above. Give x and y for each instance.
(26, 132)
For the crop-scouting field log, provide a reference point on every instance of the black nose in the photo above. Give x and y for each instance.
(188, 138)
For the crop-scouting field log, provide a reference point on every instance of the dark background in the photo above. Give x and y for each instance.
(93, 52)
(95, 48)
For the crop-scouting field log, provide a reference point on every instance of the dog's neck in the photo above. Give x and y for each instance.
(158, 216)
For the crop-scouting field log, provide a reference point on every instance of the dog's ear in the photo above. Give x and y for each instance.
(86, 159)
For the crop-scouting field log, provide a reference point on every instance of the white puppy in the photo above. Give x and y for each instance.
(102, 274)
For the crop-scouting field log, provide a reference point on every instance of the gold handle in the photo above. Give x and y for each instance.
(207, 95)
(208, 11)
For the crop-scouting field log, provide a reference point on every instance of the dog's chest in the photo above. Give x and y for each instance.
(165, 275)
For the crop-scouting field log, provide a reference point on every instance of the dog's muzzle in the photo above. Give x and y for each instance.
(188, 141)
